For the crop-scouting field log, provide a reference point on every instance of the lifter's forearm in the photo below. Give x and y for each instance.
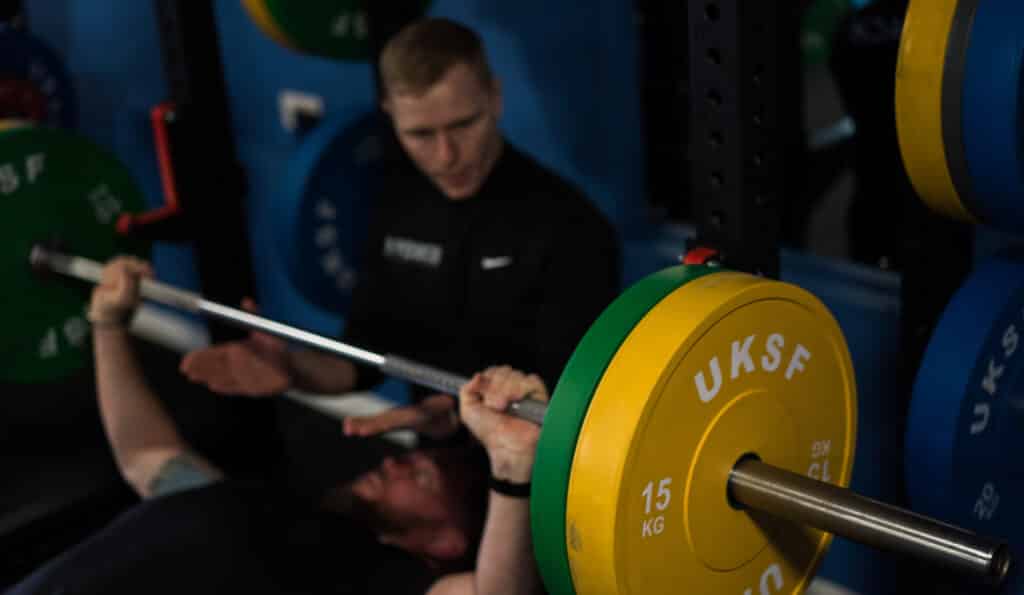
(133, 417)
(505, 563)
(321, 373)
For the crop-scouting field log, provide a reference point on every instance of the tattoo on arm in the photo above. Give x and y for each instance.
(181, 472)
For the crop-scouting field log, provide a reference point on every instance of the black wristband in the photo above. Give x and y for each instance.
(512, 490)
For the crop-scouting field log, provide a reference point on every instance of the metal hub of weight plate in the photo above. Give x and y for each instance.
(919, 103)
(726, 366)
(329, 187)
(993, 100)
(34, 85)
(338, 30)
(568, 407)
(54, 185)
(964, 425)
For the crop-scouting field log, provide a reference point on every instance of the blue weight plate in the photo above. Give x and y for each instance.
(964, 431)
(331, 181)
(993, 96)
(34, 84)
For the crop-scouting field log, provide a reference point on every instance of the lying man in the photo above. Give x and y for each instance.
(407, 526)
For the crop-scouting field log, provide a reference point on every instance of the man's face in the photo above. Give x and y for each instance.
(405, 491)
(451, 131)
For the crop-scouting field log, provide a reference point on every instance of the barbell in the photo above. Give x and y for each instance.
(715, 448)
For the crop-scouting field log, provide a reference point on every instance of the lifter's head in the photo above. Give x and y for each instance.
(428, 502)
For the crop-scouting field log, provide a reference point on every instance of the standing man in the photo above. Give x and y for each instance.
(477, 255)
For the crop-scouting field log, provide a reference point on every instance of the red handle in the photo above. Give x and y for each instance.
(160, 115)
(700, 255)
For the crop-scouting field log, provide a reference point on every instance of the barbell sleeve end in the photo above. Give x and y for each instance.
(759, 486)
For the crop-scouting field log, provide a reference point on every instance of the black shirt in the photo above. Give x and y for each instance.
(229, 537)
(513, 275)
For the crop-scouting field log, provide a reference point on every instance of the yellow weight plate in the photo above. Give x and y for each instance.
(919, 74)
(726, 366)
(259, 13)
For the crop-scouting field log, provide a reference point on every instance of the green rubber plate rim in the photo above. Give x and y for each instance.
(328, 29)
(565, 414)
(55, 186)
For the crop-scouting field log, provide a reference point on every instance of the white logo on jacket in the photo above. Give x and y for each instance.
(488, 263)
(408, 250)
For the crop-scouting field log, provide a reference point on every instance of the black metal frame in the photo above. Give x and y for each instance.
(210, 181)
(665, 92)
(739, 126)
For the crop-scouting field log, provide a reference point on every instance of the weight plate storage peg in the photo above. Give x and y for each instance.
(34, 84)
(727, 367)
(964, 430)
(919, 89)
(54, 186)
(568, 407)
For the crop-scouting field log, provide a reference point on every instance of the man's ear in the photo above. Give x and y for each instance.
(385, 104)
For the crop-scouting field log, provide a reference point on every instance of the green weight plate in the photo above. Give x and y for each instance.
(54, 186)
(726, 366)
(568, 408)
(330, 29)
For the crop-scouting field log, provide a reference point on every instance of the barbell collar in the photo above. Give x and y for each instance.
(760, 486)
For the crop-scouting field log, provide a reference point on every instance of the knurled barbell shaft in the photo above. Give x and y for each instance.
(760, 486)
(752, 483)
(392, 365)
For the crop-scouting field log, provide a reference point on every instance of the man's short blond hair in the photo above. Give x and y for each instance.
(420, 54)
